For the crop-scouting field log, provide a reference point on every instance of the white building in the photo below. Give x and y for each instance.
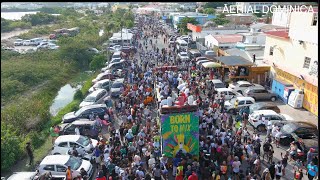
(281, 18)
(219, 31)
(223, 41)
(258, 38)
(188, 6)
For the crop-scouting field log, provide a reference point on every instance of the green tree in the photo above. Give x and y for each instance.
(182, 25)
(97, 62)
(209, 11)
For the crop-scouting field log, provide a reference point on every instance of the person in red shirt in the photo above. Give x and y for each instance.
(193, 176)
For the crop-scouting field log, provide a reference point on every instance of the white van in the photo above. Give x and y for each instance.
(181, 44)
(35, 41)
(228, 93)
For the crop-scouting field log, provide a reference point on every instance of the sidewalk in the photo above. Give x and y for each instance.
(297, 114)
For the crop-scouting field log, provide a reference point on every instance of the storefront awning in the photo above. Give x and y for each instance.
(233, 61)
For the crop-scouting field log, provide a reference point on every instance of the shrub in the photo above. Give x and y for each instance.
(97, 62)
(78, 95)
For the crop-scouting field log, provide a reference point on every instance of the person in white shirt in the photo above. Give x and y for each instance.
(77, 131)
(269, 127)
(190, 99)
(169, 101)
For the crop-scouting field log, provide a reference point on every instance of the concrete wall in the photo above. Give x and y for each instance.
(281, 18)
(204, 33)
(259, 39)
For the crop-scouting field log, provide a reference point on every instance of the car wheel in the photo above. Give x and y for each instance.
(231, 111)
(273, 98)
(261, 128)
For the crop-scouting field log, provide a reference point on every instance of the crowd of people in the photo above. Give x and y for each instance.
(226, 150)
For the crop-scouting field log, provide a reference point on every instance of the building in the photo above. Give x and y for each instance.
(240, 19)
(217, 31)
(225, 41)
(281, 18)
(263, 27)
(256, 6)
(293, 55)
(201, 18)
(188, 6)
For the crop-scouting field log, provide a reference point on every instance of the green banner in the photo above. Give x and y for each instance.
(180, 132)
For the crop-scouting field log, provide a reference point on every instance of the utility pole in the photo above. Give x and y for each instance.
(121, 33)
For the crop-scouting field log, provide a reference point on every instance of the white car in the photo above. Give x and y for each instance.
(27, 43)
(228, 93)
(65, 143)
(31, 176)
(58, 165)
(114, 60)
(229, 106)
(240, 86)
(202, 61)
(18, 42)
(103, 84)
(96, 97)
(101, 76)
(183, 56)
(53, 46)
(115, 48)
(256, 122)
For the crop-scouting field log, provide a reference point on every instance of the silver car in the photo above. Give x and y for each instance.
(260, 93)
(240, 86)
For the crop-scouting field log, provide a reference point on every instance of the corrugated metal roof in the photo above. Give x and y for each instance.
(234, 61)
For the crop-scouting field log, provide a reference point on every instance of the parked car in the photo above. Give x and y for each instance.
(242, 102)
(183, 56)
(202, 61)
(85, 127)
(201, 58)
(93, 50)
(96, 97)
(256, 122)
(58, 164)
(64, 143)
(242, 85)
(114, 48)
(116, 87)
(84, 112)
(303, 130)
(228, 93)
(18, 42)
(53, 46)
(26, 43)
(126, 49)
(264, 106)
(102, 76)
(217, 83)
(35, 41)
(259, 93)
(119, 65)
(116, 60)
(102, 84)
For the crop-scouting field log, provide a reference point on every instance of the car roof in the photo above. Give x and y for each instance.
(243, 82)
(103, 81)
(94, 106)
(67, 138)
(183, 52)
(223, 89)
(216, 81)
(81, 122)
(194, 51)
(268, 112)
(120, 80)
(22, 175)
(96, 92)
(244, 98)
(256, 87)
(55, 159)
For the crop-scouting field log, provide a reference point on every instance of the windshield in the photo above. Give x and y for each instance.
(253, 107)
(90, 99)
(74, 163)
(289, 128)
(83, 140)
(115, 56)
(116, 85)
(97, 85)
(219, 85)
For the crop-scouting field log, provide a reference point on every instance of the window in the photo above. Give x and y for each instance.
(249, 102)
(74, 144)
(49, 167)
(315, 19)
(271, 51)
(63, 144)
(241, 103)
(306, 63)
(61, 168)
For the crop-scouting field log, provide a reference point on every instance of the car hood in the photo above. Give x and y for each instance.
(69, 115)
(287, 116)
(83, 103)
(227, 103)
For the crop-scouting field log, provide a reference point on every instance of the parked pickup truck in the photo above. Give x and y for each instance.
(209, 55)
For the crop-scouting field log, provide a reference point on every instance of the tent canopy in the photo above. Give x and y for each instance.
(211, 65)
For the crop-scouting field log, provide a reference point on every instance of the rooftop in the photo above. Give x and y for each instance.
(248, 15)
(280, 34)
(228, 38)
(234, 61)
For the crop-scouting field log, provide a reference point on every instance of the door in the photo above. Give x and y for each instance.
(264, 94)
(241, 104)
(70, 129)
(49, 168)
(79, 147)
(248, 103)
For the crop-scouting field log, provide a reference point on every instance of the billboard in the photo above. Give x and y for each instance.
(180, 132)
